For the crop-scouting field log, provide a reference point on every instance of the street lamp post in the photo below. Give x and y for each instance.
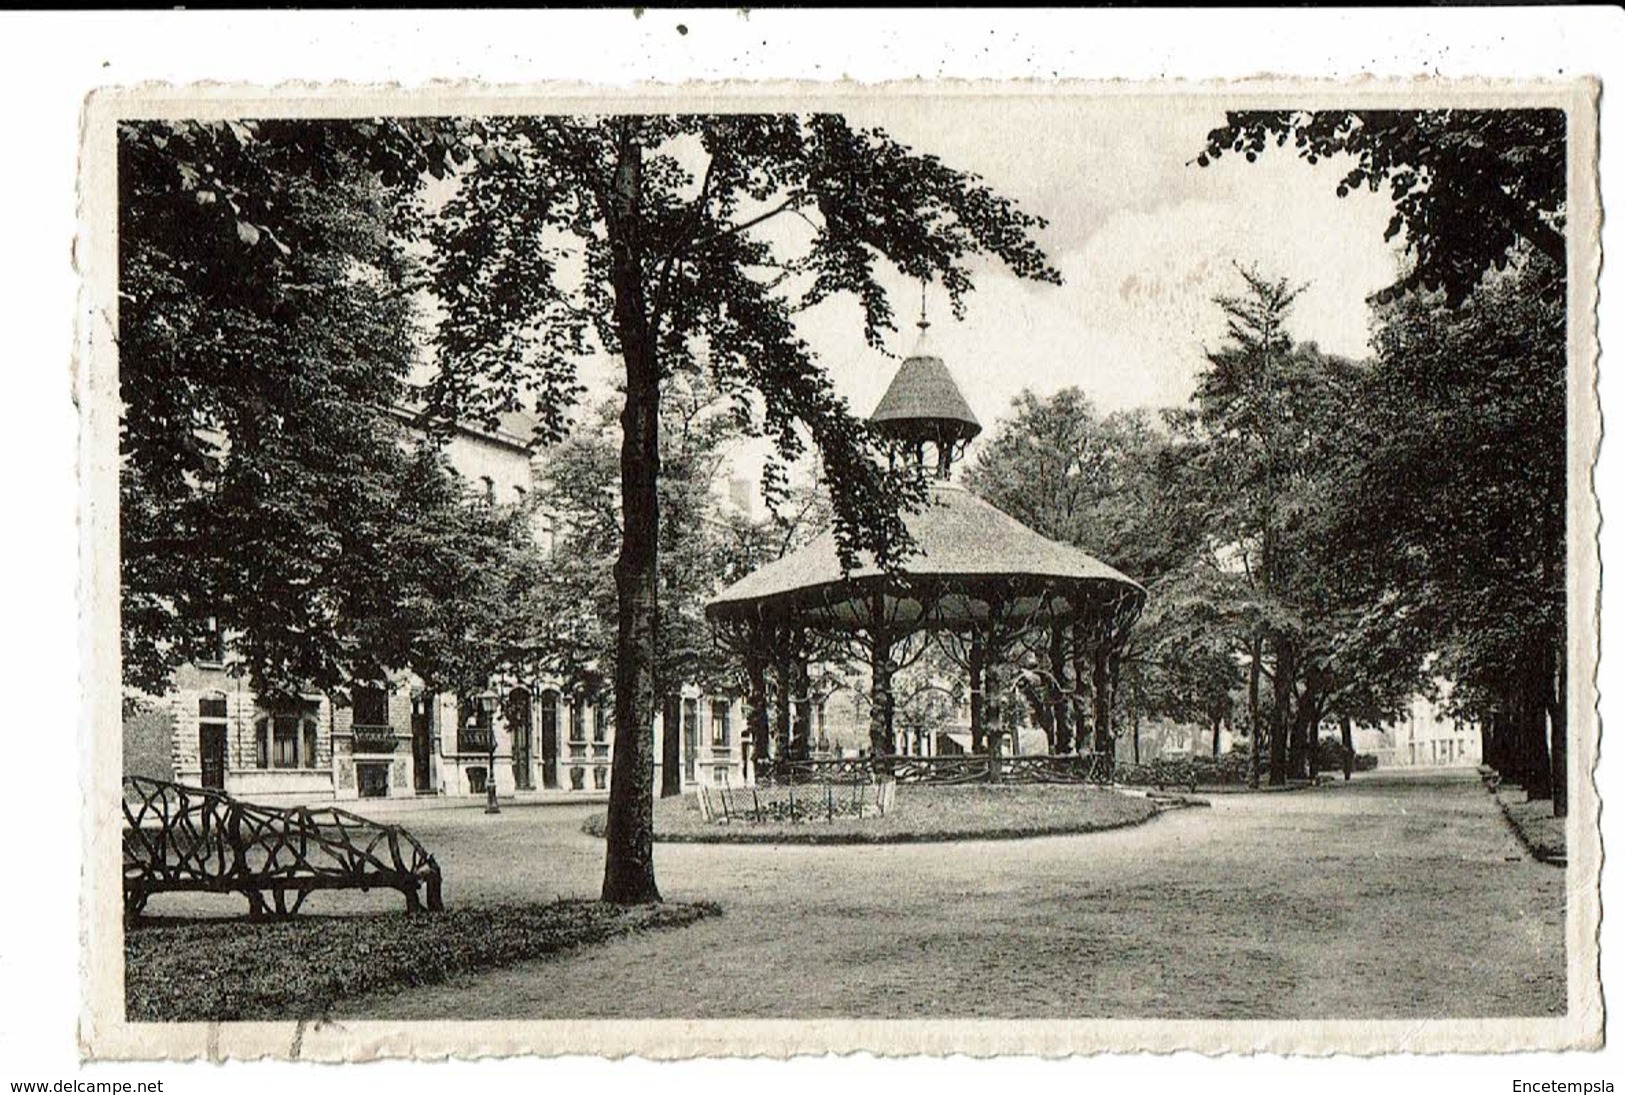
(489, 705)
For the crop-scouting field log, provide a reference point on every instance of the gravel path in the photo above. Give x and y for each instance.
(1395, 896)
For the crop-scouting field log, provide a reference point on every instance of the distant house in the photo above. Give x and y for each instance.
(394, 739)
(1424, 736)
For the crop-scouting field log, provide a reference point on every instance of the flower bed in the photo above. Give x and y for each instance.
(923, 813)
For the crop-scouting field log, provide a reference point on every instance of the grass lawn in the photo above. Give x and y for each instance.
(298, 968)
(921, 813)
(1538, 831)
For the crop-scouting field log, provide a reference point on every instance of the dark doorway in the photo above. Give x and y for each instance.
(211, 747)
(519, 727)
(422, 751)
(550, 740)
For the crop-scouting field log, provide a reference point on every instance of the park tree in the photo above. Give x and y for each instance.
(682, 244)
(264, 340)
(1265, 430)
(1480, 197)
(468, 604)
(1466, 479)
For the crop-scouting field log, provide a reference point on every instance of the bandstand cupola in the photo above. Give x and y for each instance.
(924, 406)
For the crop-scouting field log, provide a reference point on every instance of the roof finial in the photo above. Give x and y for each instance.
(924, 323)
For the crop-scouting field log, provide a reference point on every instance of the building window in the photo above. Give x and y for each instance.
(474, 732)
(600, 778)
(285, 741)
(600, 723)
(721, 710)
(370, 705)
(488, 490)
(578, 777)
(214, 643)
(578, 719)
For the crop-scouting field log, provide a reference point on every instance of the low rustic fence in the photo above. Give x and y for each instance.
(961, 768)
(797, 803)
(180, 838)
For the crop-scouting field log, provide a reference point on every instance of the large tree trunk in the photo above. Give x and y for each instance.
(1281, 713)
(671, 745)
(1307, 728)
(1348, 747)
(1218, 722)
(1557, 711)
(1058, 689)
(1255, 654)
(629, 873)
(1537, 781)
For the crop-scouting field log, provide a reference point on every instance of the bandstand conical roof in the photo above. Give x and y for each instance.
(923, 393)
(972, 561)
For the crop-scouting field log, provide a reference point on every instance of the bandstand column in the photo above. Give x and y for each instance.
(976, 668)
(1058, 689)
(801, 728)
(881, 742)
(1101, 686)
(784, 686)
(756, 692)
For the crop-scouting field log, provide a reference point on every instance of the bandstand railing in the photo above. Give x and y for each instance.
(960, 768)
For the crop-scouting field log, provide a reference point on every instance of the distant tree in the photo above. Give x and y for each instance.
(1103, 484)
(1469, 186)
(581, 494)
(468, 606)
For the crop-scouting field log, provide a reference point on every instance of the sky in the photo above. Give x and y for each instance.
(1143, 238)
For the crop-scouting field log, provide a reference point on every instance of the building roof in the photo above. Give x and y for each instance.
(969, 556)
(514, 428)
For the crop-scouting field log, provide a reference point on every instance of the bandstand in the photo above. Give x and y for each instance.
(980, 584)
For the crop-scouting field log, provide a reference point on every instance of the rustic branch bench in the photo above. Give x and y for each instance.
(193, 839)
